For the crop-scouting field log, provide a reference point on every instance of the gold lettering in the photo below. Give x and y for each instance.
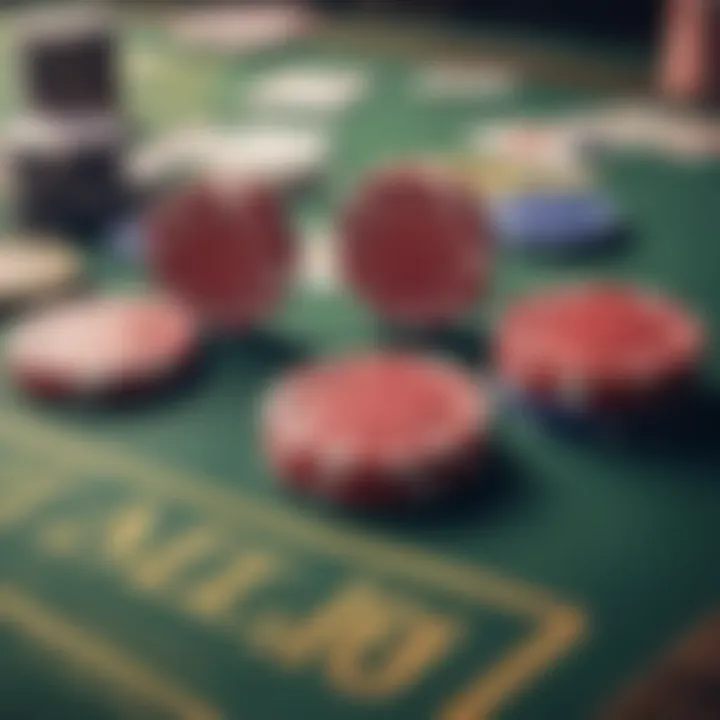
(181, 553)
(127, 534)
(132, 539)
(373, 645)
(233, 585)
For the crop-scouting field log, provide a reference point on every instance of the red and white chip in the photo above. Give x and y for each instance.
(416, 246)
(101, 346)
(598, 346)
(376, 430)
(689, 63)
(225, 251)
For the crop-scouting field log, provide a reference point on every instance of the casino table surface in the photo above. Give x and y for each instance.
(151, 567)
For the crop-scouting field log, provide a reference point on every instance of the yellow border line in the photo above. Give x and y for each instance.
(561, 626)
(105, 662)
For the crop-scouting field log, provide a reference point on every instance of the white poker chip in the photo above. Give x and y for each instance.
(314, 89)
(36, 269)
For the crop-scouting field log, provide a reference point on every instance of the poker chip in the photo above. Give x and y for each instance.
(415, 246)
(225, 250)
(556, 220)
(376, 430)
(36, 269)
(598, 347)
(688, 68)
(100, 347)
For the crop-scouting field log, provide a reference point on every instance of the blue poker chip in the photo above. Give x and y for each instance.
(556, 220)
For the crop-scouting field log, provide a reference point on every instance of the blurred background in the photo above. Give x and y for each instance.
(635, 20)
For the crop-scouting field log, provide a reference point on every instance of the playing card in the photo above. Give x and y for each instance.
(286, 156)
(691, 139)
(282, 155)
(458, 81)
(646, 127)
(314, 89)
(546, 143)
(169, 156)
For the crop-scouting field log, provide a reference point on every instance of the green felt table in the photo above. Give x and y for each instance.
(151, 567)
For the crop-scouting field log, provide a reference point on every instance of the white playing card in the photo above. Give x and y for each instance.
(692, 139)
(319, 271)
(542, 143)
(286, 156)
(315, 89)
(282, 155)
(458, 81)
(625, 125)
(629, 126)
(171, 155)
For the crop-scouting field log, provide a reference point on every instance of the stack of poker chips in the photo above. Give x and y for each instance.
(690, 62)
(66, 151)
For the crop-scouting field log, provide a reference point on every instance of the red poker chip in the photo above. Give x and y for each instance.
(688, 68)
(227, 252)
(415, 246)
(100, 347)
(598, 346)
(376, 430)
